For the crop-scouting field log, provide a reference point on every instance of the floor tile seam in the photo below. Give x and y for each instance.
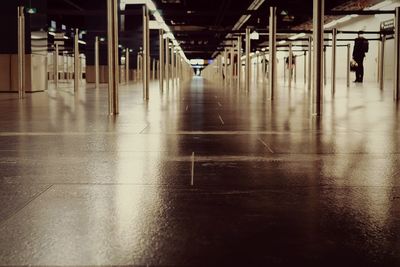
(35, 197)
(199, 132)
(188, 186)
(259, 156)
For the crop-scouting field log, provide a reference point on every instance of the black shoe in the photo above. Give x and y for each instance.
(356, 81)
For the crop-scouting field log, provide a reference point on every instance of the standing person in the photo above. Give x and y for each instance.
(360, 48)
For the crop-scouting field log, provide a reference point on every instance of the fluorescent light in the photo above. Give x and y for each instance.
(158, 17)
(344, 19)
(82, 42)
(256, 4)
(282, 42)
(294, 37)
(380, 5)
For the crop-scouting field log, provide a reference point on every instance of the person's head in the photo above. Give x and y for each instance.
(360, 33)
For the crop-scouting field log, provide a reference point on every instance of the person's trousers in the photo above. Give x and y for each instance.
(360, 69)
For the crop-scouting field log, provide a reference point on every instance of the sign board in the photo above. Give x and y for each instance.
(59, 38)
(387, 27)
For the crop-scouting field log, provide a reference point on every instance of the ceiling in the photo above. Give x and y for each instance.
(200, 26)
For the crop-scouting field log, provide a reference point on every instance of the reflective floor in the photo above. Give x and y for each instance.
(270, 185)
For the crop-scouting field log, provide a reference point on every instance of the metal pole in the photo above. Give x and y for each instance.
(127, 65)
(382, 63)
(167, 60)
(173, 71)
(153, 69)
(248, 62)
(56, 51)
(264, 67)
(225, 66)
(318, 26)
(305, 67)
(397, 55)
(162, 61)
(324, 59)
(113, 56)
(76, 60)
(257, 67)
(232, 51)
(239, 62)
(272, 51)
(348, 66)
(146, 53)
(21, 52)
(309, 63)
(158, 69)
(96, 62)
(294, 71)
(290, 65)
(284, 69)
(333, 70)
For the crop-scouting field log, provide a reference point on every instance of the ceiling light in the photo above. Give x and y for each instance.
(256, 4)
(380, 5)
(254, 35)
(294, 37)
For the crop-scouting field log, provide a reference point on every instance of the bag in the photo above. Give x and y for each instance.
(353, 66)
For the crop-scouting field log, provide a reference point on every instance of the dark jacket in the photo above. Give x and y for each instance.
(360, 48)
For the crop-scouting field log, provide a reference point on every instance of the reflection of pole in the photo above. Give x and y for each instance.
(113, 56)
(76, 60)
(127, 65)
(162, 61)
(272, 51)
(96, 62)
(309, 63)
(21, 52)
(248, 62)
(239, 61)
(333, 70)
(397, 55)
(318, 26)
(348, 66)
(146, 53)
(382, 62)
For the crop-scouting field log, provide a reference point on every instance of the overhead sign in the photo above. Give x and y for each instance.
(387, 27)
(59, 38)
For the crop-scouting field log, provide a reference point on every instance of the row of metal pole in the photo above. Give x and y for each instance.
(316, 71)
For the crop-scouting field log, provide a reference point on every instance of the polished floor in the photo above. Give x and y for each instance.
(201, 175)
